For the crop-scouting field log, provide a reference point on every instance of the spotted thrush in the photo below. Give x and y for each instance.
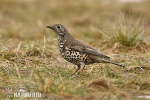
(76, 52)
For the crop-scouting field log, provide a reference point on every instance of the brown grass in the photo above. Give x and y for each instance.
(29, 56)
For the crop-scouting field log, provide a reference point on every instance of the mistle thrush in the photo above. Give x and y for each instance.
(76, 52)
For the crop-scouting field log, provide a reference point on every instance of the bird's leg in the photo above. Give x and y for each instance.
(83, 67)
(76, 70)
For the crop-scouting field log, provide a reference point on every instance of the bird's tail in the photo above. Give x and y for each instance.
(111, 62)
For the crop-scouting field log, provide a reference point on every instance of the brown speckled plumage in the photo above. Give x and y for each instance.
(76, 52)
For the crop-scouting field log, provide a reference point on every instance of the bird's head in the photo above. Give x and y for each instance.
(58, 29)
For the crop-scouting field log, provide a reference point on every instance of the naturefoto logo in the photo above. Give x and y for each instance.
(21, 92)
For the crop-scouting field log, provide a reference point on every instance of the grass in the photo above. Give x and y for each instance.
(128, 34)
(30, 59)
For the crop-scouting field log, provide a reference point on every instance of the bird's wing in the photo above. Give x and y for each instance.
(86, 49)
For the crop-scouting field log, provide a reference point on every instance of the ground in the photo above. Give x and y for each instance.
(30, 59)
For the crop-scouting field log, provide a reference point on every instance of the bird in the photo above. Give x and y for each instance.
(76, 52)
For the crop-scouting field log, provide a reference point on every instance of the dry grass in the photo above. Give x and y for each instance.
(29, 55)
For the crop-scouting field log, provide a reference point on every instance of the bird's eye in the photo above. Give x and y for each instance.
(58, 26)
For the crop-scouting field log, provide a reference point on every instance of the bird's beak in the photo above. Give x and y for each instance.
(51, 27)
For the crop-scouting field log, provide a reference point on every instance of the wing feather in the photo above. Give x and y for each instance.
(86, 49)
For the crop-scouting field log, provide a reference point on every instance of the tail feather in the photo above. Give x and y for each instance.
(116, 64)
(104, 57)
(111, 62)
